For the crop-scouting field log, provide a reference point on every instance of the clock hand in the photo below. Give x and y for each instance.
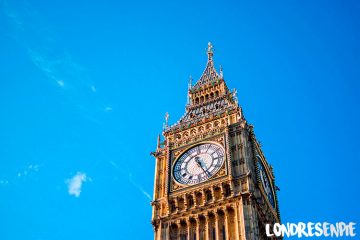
(200, 164)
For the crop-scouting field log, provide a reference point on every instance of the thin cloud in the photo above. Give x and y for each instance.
(28, 170)
(140, 188)
(4, 182)
(52, 59)
(131, 180)
(61, 83)
(108, 109)
(34, 168)
(75, 183)
(114, 164)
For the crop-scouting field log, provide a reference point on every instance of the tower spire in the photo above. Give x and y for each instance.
(210, 51)
(189, 89)
(209, 75)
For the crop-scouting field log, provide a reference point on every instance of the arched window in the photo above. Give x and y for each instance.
(181, 204)
(172, 206)
(227, 190)
(201, 99)
(223, 232)
(208, 196)
(217, 193)
(173, 232)
(199, 200)
(190, 202)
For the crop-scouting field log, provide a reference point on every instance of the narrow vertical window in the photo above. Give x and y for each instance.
(223, 232)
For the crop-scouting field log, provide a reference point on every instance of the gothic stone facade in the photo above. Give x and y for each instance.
(212, 180)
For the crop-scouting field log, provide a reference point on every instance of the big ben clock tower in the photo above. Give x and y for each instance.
(212, 180)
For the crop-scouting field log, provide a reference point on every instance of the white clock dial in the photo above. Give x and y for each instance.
(198, 164)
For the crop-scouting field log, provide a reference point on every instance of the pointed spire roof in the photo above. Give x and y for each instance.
(209, 75)
(208, 99)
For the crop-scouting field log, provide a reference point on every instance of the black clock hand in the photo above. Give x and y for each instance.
(200, 164)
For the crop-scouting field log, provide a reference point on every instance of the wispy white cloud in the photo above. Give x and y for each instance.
(108, 109)
(52, 59)
(75, 183)
(34, 167)
(28, 170)
(140, 188)
(61, 83)
(115, 165)
(4, 182)
(131, 180)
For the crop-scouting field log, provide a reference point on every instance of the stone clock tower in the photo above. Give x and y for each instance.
(212, 180)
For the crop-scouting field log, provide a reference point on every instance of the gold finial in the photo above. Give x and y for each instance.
(210, 50)
(189, 90)
(166, 119)
(235, 96)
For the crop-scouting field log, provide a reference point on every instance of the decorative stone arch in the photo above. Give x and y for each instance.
(202, 226)
(221, 222)
(172, 206)
(181, 203)
(199, 198)
(186, 134)
(192, 228)
(217, 193)
(190, 201)
(231, 222)
(183, 230)
(227, 190)
(208, 195)
(201, 129)
(174, 231)
(212, 226)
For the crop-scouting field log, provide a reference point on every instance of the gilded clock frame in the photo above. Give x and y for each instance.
(175, 154)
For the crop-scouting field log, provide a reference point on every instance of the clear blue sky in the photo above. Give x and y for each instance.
(85, 86)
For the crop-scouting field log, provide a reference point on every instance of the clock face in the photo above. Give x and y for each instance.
(198, 164)
(265, 182)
